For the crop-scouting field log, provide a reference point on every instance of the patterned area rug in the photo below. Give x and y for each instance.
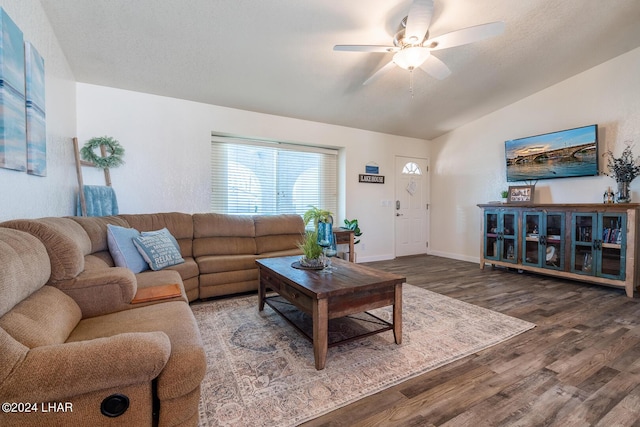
(261, 370)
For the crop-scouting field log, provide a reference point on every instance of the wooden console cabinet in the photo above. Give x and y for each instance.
(596, 243)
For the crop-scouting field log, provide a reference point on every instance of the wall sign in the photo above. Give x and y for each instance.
(372, 169)
(371, 179)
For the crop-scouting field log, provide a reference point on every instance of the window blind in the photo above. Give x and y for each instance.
(267, 178)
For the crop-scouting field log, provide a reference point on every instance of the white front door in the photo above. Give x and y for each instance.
(411, 206)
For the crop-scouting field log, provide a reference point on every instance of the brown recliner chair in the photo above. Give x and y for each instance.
(58, 368)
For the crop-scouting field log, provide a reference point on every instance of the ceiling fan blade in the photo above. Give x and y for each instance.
(379, 73)
(418, 21)
(465, 36)
(365, 48)
(435, 68)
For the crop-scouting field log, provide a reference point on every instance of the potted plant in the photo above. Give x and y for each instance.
(504, 194)
(311, 250)
(623, 169)
(317, 215)
(353, 225)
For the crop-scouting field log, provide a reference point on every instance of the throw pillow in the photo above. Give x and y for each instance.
(122, 249)
(159, 248)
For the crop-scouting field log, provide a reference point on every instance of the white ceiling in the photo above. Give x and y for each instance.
(276, 56)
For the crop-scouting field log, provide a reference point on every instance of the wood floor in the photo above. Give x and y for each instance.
(580, 366)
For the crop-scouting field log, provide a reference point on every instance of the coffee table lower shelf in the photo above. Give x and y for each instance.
(384, 325)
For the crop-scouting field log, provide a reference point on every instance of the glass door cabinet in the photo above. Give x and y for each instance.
(598, 243)
(500, 242)
(543, 239)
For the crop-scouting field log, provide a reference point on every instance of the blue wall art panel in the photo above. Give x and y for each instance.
(13, 139)
(36, 124)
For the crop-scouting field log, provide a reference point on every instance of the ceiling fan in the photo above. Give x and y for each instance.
(412, 45)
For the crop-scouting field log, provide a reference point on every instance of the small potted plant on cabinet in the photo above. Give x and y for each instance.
(504, 194)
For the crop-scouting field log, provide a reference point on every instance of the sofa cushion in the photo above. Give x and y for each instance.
(283, 242)
(25, 267)
(122, 249)
(180, 225)
(96, 229)
(270, 225)
(159, 248)
(224, 246)
(187, 363)
(65, 240)
(221, 263)
(46, 317)
(278, 232)
(222, 225)
(12, 355)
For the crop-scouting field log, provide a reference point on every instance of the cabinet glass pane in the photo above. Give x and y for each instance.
(492, 247)
(583, 259)
(509, 250)
(612, 229)
(554, 236)
(611, 261)
(509, 224)
(492, 223)
(532, 254)
(584, 228)
(532, 227)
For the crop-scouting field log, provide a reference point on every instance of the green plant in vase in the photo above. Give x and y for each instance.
(623, 169)
(353, 225)
(311, 250)
(317, 215)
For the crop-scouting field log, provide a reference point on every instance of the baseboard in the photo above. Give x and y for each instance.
(459, 257)
(373, 258)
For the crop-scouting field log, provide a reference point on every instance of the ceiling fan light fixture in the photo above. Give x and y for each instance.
(411, 57)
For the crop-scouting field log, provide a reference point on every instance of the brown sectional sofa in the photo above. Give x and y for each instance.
(68, 329)
(52, 354)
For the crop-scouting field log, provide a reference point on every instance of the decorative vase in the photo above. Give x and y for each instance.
(623, 195)
(325, 234)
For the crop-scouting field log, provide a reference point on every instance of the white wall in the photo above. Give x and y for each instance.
(167, 152)
(468, 165)
(29, 196)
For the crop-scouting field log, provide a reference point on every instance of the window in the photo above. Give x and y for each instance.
(267, 178)
(411, 168)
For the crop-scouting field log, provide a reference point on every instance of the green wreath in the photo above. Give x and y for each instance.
(113, 147)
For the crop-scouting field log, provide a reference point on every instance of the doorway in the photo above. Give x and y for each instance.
(411, 206)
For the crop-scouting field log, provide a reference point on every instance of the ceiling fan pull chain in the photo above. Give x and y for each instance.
(411, 82)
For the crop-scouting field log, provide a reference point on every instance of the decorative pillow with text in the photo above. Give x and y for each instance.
(158, 248)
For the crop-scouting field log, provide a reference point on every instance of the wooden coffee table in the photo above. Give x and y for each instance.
(349, 289)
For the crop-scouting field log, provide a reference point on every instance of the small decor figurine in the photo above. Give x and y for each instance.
(608, 196)
(623, 169)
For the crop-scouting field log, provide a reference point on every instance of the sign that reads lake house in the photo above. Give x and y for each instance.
(371, 179)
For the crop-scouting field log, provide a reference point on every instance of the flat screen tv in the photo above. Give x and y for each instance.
(563, 154)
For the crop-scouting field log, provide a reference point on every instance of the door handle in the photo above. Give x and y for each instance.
(399, 214)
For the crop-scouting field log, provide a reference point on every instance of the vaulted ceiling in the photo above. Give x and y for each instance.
(276, 56)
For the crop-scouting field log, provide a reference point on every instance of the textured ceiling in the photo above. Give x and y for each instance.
(276, 57)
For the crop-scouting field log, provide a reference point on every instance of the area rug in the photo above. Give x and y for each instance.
(261, 371)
